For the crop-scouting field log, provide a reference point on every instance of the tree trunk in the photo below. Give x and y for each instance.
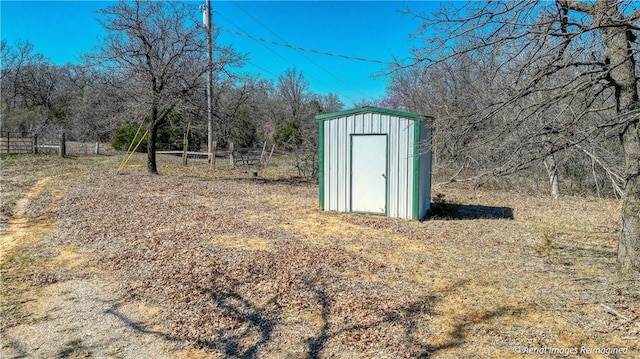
(552, 172)
(629, 245)
(619, 41)
(151, 143)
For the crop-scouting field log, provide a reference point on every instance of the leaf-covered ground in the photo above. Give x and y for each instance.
(226, 266)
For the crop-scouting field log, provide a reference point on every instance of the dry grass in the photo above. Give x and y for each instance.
(224, 265)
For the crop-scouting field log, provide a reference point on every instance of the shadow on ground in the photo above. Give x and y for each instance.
(243, 343)
(465, 211)
(290, 181)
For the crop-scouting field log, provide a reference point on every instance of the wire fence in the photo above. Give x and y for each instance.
(21, 143)
(14, 143)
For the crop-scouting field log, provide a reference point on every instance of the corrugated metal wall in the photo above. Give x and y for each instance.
(337, 160)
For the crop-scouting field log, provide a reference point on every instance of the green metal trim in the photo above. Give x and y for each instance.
(386, 175)
(416, 170)
(371, 109)
(321, 165)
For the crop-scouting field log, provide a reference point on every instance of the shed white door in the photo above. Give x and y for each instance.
(369, 173)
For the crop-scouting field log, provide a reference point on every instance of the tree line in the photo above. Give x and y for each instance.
(523, 85)
(148, 69)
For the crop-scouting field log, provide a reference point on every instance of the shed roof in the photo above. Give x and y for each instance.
(371, 109)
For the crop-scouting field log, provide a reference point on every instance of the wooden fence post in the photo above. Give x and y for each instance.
(97, 149)
(214, 146)
(185, 146)
(264, 147)
(35, 144)
(62, 149)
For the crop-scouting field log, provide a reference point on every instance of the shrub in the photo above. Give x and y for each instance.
(169, 138)
(123, 138)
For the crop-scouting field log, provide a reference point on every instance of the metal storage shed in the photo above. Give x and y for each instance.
(375, 160)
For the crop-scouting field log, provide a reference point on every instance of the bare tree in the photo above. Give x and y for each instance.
(296, 128)
(564, 75)
(330, 103)
(95, 105)
(294, 90)
(292, 98)
(160, 49)
(34, 91)
(236, 120)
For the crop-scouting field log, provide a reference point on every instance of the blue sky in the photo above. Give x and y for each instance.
(63, 30)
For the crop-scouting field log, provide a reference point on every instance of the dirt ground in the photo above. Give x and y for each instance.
(192, 264)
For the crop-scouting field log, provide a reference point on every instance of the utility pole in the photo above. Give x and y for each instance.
(208, 26)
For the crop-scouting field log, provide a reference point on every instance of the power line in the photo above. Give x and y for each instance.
(262, 68)
(294, 47)
(285, 60)
(263, 45)
(301, 53)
